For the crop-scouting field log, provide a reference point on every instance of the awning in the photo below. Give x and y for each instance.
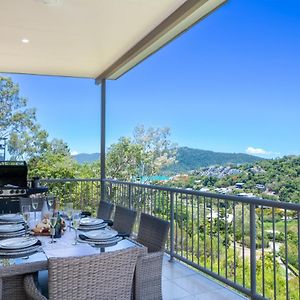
(99, 39)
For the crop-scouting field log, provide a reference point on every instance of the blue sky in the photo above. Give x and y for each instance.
(229, 84)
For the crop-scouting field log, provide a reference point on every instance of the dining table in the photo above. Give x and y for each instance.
(12, 268)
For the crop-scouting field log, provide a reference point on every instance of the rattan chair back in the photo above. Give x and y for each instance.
(153, 232)
(103, 276)
(105, 210)
(124, 220)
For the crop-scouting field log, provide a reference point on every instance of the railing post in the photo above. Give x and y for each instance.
(130, 196)
(171, 226)
(253, 250)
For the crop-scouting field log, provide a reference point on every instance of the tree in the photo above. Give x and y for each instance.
(55, 162)
(18, 123)
(148, 152)
(123, 159)
(158, 150)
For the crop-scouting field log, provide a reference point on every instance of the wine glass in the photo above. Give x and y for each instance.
(26, 216)
(50, 200)
(53, 220)
(69, 212)
(76, 223)
(34, 204)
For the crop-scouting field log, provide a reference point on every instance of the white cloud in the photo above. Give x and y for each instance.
(74, 152)
(263, 152)
(257, 151)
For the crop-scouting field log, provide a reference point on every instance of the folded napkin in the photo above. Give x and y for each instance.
(85, 214)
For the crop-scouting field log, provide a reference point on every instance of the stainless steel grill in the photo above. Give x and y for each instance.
(13, 178)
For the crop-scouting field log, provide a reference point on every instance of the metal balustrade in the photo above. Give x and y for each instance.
(243, 242)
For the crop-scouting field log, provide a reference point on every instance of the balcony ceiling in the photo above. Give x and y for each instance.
(90, 38)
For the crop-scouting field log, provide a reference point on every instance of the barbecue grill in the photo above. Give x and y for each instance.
(14, 184)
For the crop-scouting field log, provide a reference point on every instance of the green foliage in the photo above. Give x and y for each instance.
(18, 123)
(158, 151)
(123, 159)
(292, 252)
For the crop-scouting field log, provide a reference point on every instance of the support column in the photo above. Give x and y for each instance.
(102, 150)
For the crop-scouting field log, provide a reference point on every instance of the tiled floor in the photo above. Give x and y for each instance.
(183, 283)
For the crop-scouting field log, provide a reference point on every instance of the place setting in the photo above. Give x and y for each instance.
(13, 225)
(100, 238)
(11, 219)
(11, 230)
(89, 223)
(19, 246)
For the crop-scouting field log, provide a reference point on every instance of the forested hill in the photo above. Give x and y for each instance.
(193, 159)
(189, 159)
(86, 157)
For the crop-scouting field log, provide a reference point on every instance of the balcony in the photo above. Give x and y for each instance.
(243, 243)
(240, 242)
(182, 282)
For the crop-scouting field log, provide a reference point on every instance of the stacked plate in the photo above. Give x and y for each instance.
(11, 219)
(104, 238)
(19, 246)
(87, 224)
(11, 230)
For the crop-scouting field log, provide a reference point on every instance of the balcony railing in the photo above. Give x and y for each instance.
(250, 244)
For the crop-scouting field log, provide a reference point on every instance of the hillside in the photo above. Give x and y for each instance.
(86, 157)
(277, 179)
(193, 159)
(189, 159)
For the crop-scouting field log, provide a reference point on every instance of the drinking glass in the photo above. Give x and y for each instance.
(76, 223)
(69, 212)
(34, 204)
(26, 216)
(53, 221)
(50, 200)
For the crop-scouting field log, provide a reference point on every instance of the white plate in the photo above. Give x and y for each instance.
(11, 217)
(101, 234)
(18, 242)
(101, 244)
(27, 251)
(11, 227)
(89, 228)
(90, 221)
(11, 235)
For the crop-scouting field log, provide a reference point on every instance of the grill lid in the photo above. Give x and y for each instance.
(13, 174)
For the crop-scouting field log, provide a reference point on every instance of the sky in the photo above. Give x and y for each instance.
(229, 84)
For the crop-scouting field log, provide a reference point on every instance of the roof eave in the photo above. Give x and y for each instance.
(182, 19)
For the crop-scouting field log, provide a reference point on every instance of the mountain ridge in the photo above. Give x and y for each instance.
(86, 157)
(188, 159)
(192, 159)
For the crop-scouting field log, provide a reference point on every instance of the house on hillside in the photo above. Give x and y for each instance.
(239, 185)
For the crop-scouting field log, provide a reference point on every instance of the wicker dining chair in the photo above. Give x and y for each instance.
(124, 220)
(102, 276)
(153, 233)
(104, 212)
(12, 288)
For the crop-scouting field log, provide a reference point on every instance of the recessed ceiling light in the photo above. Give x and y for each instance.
(51, 2)
(25, 41)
